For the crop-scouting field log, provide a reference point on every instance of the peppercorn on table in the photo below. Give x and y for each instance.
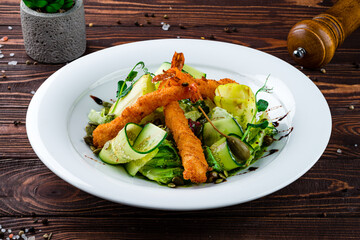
(323, 203)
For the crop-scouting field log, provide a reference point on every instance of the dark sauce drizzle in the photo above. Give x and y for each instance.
(97, 100)
(286, 135)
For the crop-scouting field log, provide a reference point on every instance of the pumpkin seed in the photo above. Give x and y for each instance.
(97, 151)
(171, 185)
(88, 140)
(222, 176)
(220, 180)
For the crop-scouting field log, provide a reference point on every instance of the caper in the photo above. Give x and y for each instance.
(97, 151)
(268, 140)
(171, 185)
(222, 176)
(178, 181)
(238, 148)
(220, 180)
(88, 140)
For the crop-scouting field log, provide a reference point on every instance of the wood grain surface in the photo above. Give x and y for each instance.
(322, 204)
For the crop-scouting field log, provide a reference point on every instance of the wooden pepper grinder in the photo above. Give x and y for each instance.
(312, 43)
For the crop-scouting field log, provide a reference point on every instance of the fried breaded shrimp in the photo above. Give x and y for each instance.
(174, 76)
(143, 106)
(190, 149)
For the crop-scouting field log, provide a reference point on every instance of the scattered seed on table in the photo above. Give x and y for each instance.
(9, 88)
(227, 30)
(36, 220)
(146, 15)
(355, 145)
(141, 25)
(50, 235)
(91, 24)
(351, 107)
(339, 151)
(3, 230)
(233, 29)
(148, 22)
(165, 27)
(9, 231)
(10, 27)
(21, 232)
(12, 63)
(152, 15)
(118, 22)
(45, 221)
(4, 39)
(137, 23)
(323, 70)
(35, 63)
(28, 62)
(1, 46)
(12, 54)
(212, 37)
(45, 236)
(11, 235)
(301, 67)
(202, 38)
(1, 55)
(32, 92)
(181, 26)
(177, 36)
(166, 16)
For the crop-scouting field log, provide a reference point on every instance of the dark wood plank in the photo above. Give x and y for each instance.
(178, 227)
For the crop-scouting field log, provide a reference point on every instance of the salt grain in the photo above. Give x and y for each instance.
(1, 55)
(12, 63)
(3, 230)
(9, 231)
(10, 27)
(12, 54)
(339, 151)
(165, 27)
(32, 92)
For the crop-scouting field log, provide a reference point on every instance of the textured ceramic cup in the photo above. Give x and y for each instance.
(54, 37)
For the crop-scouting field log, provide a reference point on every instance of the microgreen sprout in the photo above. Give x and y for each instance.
(123, 88)
(261, 105)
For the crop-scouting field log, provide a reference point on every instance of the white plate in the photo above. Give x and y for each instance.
(57, 116)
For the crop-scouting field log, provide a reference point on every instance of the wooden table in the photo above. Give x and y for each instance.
(324, 203)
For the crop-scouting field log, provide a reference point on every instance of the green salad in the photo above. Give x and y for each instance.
(147, 149)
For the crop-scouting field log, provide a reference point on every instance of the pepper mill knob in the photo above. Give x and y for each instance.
(312, 43)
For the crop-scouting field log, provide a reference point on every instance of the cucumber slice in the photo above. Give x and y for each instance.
(107, 155)
(224, 157)
(133, 143)
(227, 126)
(134, 166)
(187, 69)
